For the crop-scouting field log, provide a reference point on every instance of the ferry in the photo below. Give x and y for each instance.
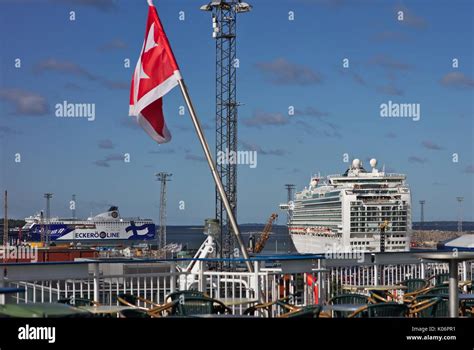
(105, 227)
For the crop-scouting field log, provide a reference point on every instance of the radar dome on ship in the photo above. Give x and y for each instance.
(373, 162)
(356, 163)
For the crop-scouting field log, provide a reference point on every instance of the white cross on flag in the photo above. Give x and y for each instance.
(156, 73)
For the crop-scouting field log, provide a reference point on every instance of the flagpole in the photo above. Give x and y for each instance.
(217, 179)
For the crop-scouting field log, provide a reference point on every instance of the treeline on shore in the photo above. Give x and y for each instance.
(12, 223)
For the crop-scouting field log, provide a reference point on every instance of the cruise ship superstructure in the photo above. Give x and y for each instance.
(352, 210)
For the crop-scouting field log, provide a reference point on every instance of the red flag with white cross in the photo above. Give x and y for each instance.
(156, 73)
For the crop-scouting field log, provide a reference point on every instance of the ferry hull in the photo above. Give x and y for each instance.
(71, 232)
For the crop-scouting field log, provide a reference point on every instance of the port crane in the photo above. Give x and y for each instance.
(265, 234)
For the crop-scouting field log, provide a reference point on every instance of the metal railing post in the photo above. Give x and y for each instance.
(256, 286)
(453, 288)
(173, 277)
(306, 289)
(320, 283)
(422, 267)
(201, 276)
(96, 282)
(2, 284)
(376, 274)
(464, 274)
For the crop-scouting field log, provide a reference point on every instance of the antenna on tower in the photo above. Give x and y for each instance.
(460, 199)
(422, 213)
(48, 197)
(163, 178)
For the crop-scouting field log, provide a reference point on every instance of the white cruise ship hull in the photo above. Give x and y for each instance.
(306, 244)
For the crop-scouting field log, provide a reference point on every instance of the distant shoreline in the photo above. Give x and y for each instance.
(436, 226)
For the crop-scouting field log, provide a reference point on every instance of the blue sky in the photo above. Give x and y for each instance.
(282, 63)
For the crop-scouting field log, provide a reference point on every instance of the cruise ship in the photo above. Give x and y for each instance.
(108, 226)
(365, 210)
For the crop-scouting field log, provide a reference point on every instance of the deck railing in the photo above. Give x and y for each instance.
(304, 281)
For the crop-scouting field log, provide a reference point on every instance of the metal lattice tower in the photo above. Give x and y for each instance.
(460, 199)
(422, 213)
(48, 197)
(42, 235)
(163, 178)
(224, 16)
(289, 188)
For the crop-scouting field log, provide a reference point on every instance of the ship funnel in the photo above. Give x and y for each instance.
(111, 213)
